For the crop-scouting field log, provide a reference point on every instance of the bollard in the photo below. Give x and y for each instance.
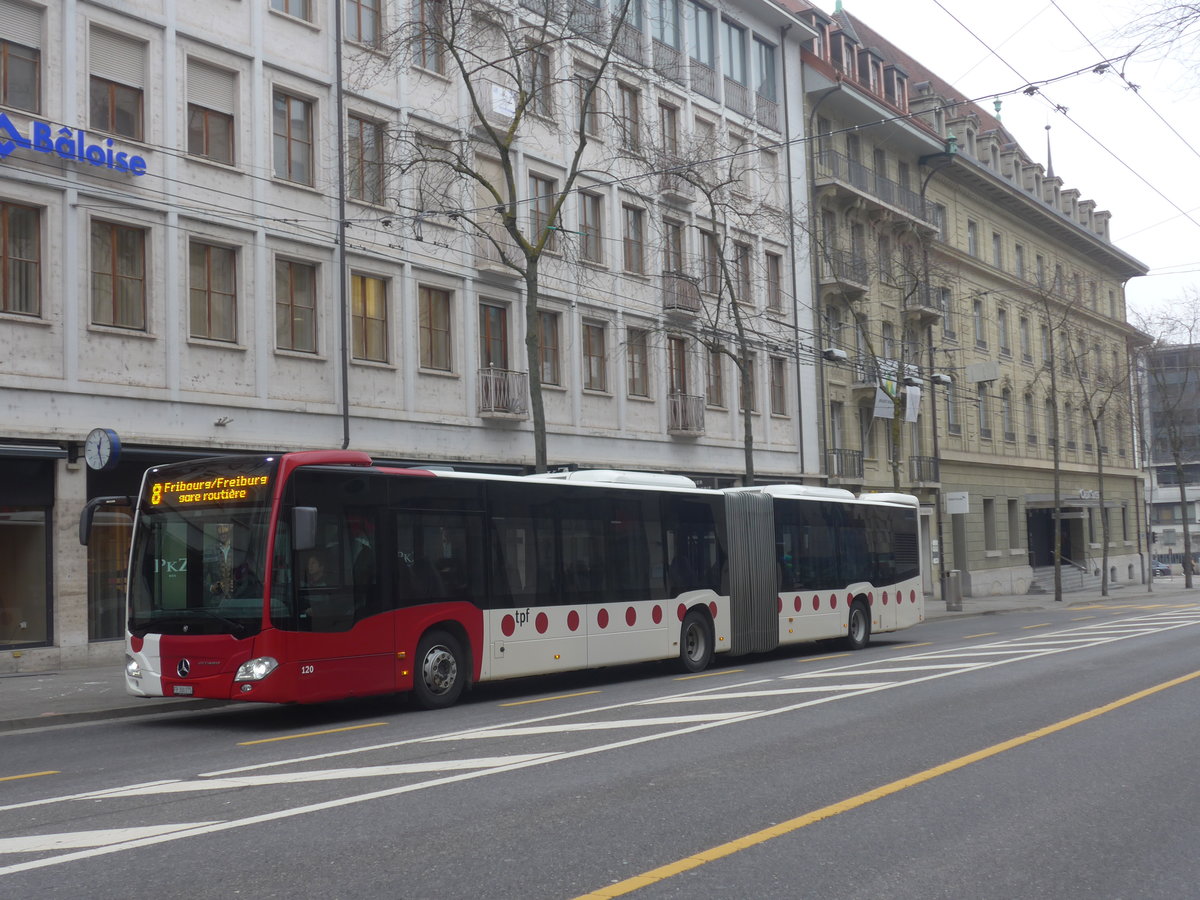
(952, 590)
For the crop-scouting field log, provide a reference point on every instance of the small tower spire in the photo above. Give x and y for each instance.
(1049, 158)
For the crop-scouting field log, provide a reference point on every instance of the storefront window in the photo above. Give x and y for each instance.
(24, 551)
(108, 559)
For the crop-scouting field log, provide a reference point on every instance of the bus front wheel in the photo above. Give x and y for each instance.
(858, 628)
(441, 670)
(695, 642)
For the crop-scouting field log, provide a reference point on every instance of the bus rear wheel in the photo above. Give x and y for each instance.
(695, 642)
(858, 627)
(441, 670)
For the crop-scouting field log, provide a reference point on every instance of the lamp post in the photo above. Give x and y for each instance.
(937, 162)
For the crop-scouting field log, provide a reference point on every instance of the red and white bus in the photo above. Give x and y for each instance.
(321, 575)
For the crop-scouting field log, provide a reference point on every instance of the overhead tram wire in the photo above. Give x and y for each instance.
(1035, 88)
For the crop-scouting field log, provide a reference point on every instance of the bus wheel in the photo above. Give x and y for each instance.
(695, 642)
(858, 628)
(441, 671)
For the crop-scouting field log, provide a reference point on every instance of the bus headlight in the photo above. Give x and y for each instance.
(133, 668)
(256, 669)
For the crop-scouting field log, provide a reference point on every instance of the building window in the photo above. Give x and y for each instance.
(213, 292)
(1030, 420)
(664, 22)
(118, 276)
(363, 21)
(369, 318)
(972, 237)
(628, 117)
(980, 325)
(295, 306)
(293, 138)
(365, 151)
(540, 86)
(741, 273)
(774, 281)
(985, 411)
(715, 378)
(542, 196)
(953, 425)
(1026, 345)
(1019, 262)
(21, 66)
(20, 259)
(429, 19)
(733, 51)
(587, 82)
(701, 35)
(637, 352)
(1002, 328)
(677, 365)
(778, 386)
(434, 317)
(1006, 415)
(764, 70)
(301, 9)
(591, 227)
(997, 250)
(116, 108)
(710, 263)
(118, 73)
(211, 98)
(668, 124)
(548, 348)
(493, 335)
(634, 240)
(989, 523)
(595, 357)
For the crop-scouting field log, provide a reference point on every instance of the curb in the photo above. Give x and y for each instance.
(99, 715)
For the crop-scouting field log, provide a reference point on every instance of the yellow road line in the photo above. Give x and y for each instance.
(710, 674)
(1082, 618)
(822, 658)
(1043, 625)
(292, 737)
(924, 644)
(637, 882)
(984, 634)
(547, 699)
(29, 775)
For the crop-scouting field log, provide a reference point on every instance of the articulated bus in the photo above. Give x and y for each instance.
(321, 575)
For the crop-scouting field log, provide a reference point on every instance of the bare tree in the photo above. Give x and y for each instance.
(1173, 369)
(507, 70)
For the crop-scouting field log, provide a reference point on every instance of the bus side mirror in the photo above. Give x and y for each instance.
(304, 528)
(89, 513)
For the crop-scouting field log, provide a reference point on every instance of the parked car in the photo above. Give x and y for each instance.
(1161, 570)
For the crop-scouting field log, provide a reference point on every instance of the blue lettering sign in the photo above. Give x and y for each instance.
(68, 144)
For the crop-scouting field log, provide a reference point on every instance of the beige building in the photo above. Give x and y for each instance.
(945, 257)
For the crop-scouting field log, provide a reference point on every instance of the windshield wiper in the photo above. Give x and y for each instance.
(157, 622)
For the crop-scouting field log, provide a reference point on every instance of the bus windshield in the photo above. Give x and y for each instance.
(199, 548)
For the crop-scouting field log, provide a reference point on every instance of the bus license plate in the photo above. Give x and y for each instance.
(182, 690)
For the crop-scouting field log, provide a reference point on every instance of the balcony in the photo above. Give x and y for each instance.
(739, 98)
(846, 269)
(502, 393)
(767, 113)
(920, 302)
(628, 42)
(676, 186)
(924, 471)
(685, 415)
(704, 79)
(668, 62)
(844, 466)
(680, 293)
(853, 179)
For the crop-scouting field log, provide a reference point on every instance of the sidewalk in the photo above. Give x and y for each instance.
(91, 694)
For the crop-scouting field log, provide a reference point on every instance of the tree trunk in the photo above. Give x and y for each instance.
(534, 364)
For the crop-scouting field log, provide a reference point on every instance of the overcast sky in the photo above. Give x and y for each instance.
(1112, 144)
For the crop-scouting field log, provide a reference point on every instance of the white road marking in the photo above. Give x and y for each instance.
(602, 725)
(70, 840)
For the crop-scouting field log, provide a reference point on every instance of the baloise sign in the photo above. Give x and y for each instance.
(67, 143)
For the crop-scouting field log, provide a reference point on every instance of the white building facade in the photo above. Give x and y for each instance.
(194, 261)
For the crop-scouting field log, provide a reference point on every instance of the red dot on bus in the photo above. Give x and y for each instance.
(816, 602)
(779, 604)
(871, 599)
(631, 617)
(602, 618)
(573, 620)
(541, 623)
(681, 612)
(656, 614)
(797, 603)
(849, 599)
(508, 625)
(885, 598)
(712, 608)
(912, 596)
(833, 601)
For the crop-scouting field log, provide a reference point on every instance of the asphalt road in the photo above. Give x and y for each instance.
(1036, 754)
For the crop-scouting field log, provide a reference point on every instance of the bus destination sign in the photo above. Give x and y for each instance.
(218, 490)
